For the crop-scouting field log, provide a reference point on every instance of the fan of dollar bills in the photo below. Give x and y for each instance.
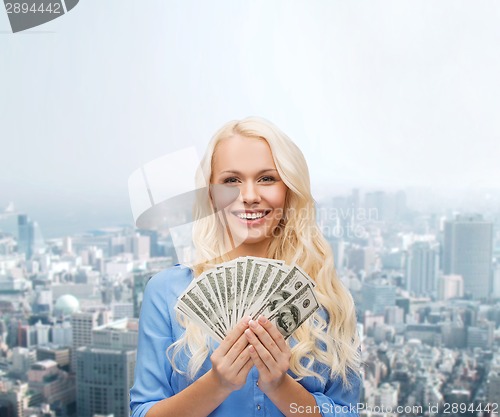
(249, 286)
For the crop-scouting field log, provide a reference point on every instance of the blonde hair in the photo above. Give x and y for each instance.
(296, 239)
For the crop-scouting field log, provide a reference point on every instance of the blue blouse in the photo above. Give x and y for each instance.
(155, 380)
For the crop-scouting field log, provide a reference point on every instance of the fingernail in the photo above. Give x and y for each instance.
(246, 319)
(262, 319)
(253, 324)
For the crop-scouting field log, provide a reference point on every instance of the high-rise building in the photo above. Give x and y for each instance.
(105, 370)
(468, 249)
(29, 236)
(377, 295)
(25, 235)
(422, 268)
(82, 325)
(104, 378)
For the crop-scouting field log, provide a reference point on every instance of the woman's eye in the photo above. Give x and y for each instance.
(234, 180)
(230, 180)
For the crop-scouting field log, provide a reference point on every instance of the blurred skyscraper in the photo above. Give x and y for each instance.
(82, 325)
(25, 233)
(377, 295)
(105, 370)
(468, 242)
(422, 268)
(29, 236)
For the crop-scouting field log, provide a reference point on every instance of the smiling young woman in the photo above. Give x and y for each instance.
(258, 203)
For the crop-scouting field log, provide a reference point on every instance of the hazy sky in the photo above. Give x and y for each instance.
(376, 93)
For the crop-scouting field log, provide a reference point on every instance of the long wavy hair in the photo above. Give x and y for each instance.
(296, 239)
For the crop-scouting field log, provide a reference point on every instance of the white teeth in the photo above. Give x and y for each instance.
(251, 216)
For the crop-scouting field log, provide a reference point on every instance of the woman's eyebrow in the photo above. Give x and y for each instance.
(239, 173)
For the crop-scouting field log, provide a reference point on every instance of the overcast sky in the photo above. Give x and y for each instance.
(376, 93)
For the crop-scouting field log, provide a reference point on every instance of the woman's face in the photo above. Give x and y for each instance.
(258, 194)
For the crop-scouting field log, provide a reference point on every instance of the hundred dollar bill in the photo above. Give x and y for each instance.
(252, 277)
(272, 273)
(240, 280)
(229, 281)
(207, 285)
(249, 262)
(186, 306)
(213, 280)
(294, 311)
(221, 287)
(184, 309)
(260, 302)
(288, 285)
(209, 316)
(261, 271)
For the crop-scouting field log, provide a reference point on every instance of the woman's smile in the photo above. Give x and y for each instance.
(252, 217)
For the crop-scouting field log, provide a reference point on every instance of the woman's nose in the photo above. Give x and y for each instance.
(249, 193)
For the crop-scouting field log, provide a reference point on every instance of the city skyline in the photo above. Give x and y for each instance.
(63, 218)
(429, 338)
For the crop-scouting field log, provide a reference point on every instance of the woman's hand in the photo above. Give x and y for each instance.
(269, 352)
(231, 361)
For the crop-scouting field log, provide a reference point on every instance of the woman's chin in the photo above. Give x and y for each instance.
(248, 237)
